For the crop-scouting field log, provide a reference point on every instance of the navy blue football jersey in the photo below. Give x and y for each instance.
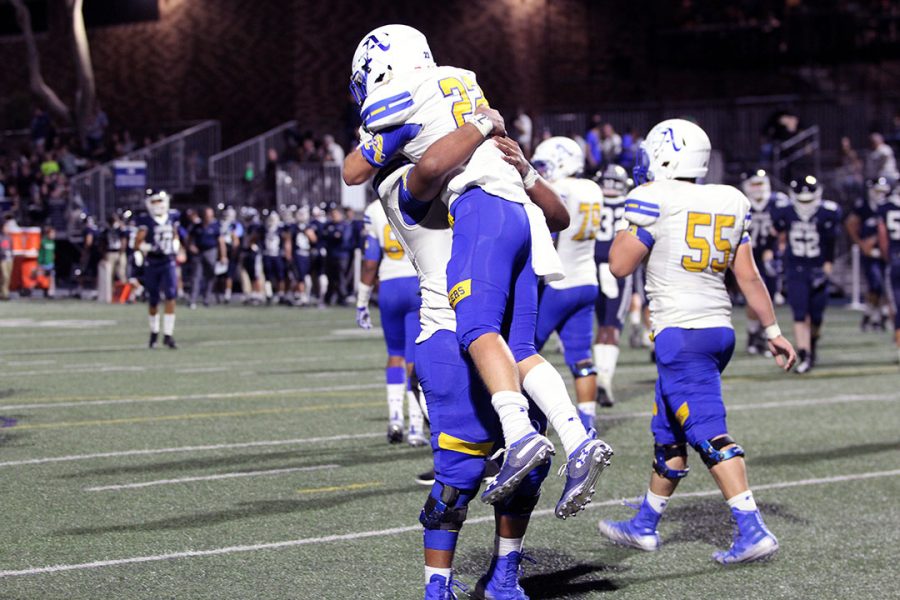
(810, 242)
(161, 236)
(889, 213)
(613, 210)
(868, 218)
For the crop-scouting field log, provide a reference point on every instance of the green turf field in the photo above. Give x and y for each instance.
(251, 463)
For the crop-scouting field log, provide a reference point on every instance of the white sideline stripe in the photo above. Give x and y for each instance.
(178, 449)
(778, 404)
(214, 396)
(148, 452)
(347, 537)
(235, 475)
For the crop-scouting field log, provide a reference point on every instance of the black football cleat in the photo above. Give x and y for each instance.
(170, 342)
(154, 337)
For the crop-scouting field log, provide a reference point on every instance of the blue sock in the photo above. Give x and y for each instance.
(586, 420)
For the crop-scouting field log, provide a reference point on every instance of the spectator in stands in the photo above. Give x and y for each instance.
(523, 130)
(610, 144)
(338, 240)
(41, 129)
(308, 151)
(630, 143)
(96, 130)
(880, 161)
(6, 256)
(334, 154)
(781, 126)
(850, 173)
(67, 161)
(593, 140)
(207, 246)
(49, 166)
(2, 184)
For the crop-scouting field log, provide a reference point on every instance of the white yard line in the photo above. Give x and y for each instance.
(235, 475)
(180, 449)
(176, 398)
(350, 537)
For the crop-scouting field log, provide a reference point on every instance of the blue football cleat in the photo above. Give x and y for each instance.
(582, 470)
(627, 533)
(521, 457)
(440, 588)
(501, 582)
(752, 540)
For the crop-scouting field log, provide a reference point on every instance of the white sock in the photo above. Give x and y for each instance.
(588, 408)
(512, 408)
(753, 326)
(154, 323)
(228, 293)
(395, 396)
(634, 318)
(605, 358)
(657, 503)
(743, 501)
(547, 389)
(429, 571)
(168, 324)
(504, 546)
(416, 420)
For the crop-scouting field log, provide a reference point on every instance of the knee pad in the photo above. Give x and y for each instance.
(446, 508)
(711, 452)
(662, 453)
(584, 368)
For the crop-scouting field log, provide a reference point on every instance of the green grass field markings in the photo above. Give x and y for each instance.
(333, 390)
(187, 449)
(216, 477)
(363, 485)
(193, 416)
(360, 535)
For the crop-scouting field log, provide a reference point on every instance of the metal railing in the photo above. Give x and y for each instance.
(176, 163)
(228, 169)
(309, 184)
(801, 146)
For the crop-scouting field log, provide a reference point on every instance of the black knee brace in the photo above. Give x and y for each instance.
(445, 513)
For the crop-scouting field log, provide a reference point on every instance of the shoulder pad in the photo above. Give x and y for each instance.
(783, 202)
(389, 105)
(830, 205)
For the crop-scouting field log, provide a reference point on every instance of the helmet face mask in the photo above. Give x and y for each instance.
(878, 191)
(758, 188)
(806, 195)
(558, 157)
(157, 203)
(674, 149)
(615, 181)
(384, 53)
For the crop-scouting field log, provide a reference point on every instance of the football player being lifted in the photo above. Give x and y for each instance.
(566, 306)
(614, 298)
(690, 235)
(408, 103)
(385, 261)
(758, 188)
(808, 227)
(158, 245)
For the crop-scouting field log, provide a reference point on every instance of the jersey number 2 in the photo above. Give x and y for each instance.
(467, 94)
(701, 242)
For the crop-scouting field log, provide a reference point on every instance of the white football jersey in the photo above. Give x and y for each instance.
(427, 244)
(439, 99)
(693, 231)
(394, 263)
(575, 244)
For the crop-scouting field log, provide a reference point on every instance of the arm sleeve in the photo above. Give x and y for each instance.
(383, 145)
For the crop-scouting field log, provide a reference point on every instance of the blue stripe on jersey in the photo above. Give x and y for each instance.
(643, 235)
(386, 107)
(641, 204)
(745, 239)
(385, 144)
(641, 211)
(372, 248)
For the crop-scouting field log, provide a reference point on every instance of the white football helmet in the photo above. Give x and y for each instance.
(384, 53)
(157, 203)
(878, 191)
(806, 194)
(758, 188)
(273, 221)
(614, 181)
(229, 215)
(558, 157)
(674, 149)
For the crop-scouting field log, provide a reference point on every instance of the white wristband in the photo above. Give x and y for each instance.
(621, 225)
(483, 123)
(363, 295)
(530, 178)
(773, 331)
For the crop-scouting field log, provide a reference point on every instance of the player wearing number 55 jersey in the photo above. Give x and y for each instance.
(157, 246)
(690, 235)
(399, 303)
(808, 227)
(565, 306)
(889, 243)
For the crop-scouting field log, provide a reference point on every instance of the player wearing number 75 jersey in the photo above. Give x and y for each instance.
(399, 302)
(690, 235)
